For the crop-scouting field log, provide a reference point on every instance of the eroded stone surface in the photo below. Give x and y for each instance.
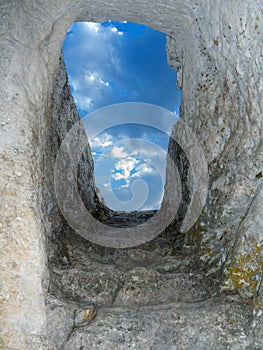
(143, 286)
(98, 285)
(218, 55)
(169, 327)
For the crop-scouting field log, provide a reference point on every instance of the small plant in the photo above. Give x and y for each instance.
(102, 216)
(259, 175)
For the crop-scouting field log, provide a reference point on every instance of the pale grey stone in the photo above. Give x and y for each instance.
(216, 47)
(77, 285)
(173, 326)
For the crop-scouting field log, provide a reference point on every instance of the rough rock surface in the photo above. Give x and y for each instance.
(173, 326)
(63, 117)
(215, 269)
(145, 297)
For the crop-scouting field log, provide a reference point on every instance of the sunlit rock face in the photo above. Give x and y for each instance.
(219, 70)
(217, 51)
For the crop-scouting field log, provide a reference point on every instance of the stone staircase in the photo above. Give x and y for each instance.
(146, 297)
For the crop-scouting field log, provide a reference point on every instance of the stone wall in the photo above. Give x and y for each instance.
(63, 117)
(218, 54)
(222, 102)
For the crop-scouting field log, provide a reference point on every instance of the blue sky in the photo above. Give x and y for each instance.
(117, 62)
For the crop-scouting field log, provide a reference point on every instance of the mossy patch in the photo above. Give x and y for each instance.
(102, 216)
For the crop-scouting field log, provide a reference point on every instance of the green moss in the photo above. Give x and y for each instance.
(102, 216)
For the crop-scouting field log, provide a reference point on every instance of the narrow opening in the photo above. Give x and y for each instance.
(119, 62)
(115, 63)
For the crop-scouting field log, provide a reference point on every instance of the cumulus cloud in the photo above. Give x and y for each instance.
(124, 171)
(118, 152)
(144, 169)
(118, 176)
(124, 168)
(91, 26)
(93, 60)
(101, 141)
(105, 66)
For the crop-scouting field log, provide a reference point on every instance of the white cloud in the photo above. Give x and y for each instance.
(102, 141)
(127, 185)
(146, 169)
(92, 27)
(118, 152)
(118, 176)
(83, 102)
(106, 83)
(90, 75)
(94, 82)
(93, 78)
(75, 85)
(115, 30)
(146, 148)
(123, 168)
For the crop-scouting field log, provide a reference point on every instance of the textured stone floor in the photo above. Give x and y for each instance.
(146, 297)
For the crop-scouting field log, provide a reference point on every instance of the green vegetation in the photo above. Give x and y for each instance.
(102, 216)
(259, 175)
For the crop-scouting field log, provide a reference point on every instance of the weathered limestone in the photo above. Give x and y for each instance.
(218, 54)
(157, 328)
(229, 127)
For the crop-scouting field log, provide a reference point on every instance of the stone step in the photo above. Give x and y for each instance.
(107, 286)
(218, 323)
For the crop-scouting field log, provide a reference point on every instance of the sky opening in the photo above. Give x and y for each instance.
(117, 62)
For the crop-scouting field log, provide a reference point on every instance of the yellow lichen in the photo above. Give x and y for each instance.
(205, 251)
(216, 42)
(244, 271)
(196, 231)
